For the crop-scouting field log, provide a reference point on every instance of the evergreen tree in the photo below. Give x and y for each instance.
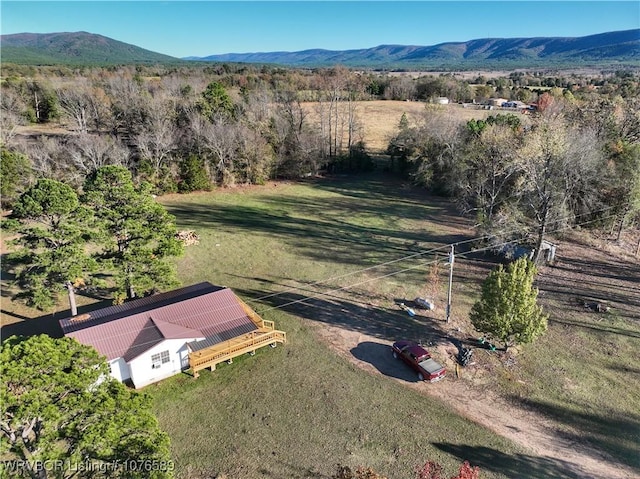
(216, 102)
(53, 231)
(138, 233)
(508, 309)
(62, 412)
(14, 174)
(193, 175)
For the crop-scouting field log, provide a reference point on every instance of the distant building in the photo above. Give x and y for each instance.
(496, 101)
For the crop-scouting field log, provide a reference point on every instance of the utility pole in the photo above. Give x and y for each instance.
(451, 260)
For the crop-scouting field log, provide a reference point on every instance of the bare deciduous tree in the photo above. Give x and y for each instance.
(559, 165)
(160, 136)
(90, 152)
(47, 155)
(12, 109)
(491, 166)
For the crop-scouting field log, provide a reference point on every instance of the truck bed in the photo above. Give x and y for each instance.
(431, 366)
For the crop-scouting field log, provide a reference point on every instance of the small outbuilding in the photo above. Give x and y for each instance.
(513, 251)
(496, 101)
(152, 338)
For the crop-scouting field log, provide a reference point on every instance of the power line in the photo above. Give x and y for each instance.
(493, 246)
(344, 288)
(446, 246)
(404, 258)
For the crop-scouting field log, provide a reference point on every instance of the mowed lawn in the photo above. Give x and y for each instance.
(342, 252)
(300, 409)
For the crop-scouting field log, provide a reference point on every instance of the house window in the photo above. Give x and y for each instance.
(159, 359)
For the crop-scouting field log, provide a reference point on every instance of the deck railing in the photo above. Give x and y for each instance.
(266, 335)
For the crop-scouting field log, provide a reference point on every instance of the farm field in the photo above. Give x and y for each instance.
(379, 119)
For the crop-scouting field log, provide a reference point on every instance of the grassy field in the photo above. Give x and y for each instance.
(379, 119)
(339, 253)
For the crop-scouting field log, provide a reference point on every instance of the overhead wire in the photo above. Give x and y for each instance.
(343, 288)
(369, 280)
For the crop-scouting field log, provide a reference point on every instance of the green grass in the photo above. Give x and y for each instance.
(298, 410)
(584, 375)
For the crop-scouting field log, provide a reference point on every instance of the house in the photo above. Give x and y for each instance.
(152, 338)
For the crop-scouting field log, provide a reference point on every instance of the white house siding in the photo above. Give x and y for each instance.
(119, 369)
(142, 372)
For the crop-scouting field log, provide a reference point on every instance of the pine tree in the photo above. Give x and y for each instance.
(53, 230)
(61, 408)
(139, 234)
(508, 309)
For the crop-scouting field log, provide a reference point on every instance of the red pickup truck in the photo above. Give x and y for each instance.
(420, 360)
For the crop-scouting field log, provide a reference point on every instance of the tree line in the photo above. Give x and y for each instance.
(521, 176)
(188, 129)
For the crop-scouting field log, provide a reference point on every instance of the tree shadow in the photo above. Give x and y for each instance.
(380, 357)
(601, 328)
(615, 434)
(512, 465)
(48, 324)
(353, 313)
(612, 282)
(340, 227)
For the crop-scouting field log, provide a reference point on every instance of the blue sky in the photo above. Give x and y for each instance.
(200, 28)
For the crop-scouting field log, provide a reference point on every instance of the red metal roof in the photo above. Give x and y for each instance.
(128, 330)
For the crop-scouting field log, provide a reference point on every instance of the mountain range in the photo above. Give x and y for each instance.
(620, 48)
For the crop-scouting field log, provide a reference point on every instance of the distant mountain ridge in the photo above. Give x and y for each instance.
(621, 47)
(605, 49)
(77, 48)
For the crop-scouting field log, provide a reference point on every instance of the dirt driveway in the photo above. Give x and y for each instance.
(534, 432)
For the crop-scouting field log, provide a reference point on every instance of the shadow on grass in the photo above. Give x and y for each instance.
(512, 465)
(379, 356)
(614, 283)
(320, 239)
(598, 327)
(617, 435)
(343, 228)
(350, 314)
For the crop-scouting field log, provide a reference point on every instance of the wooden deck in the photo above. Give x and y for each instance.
(265, 335)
